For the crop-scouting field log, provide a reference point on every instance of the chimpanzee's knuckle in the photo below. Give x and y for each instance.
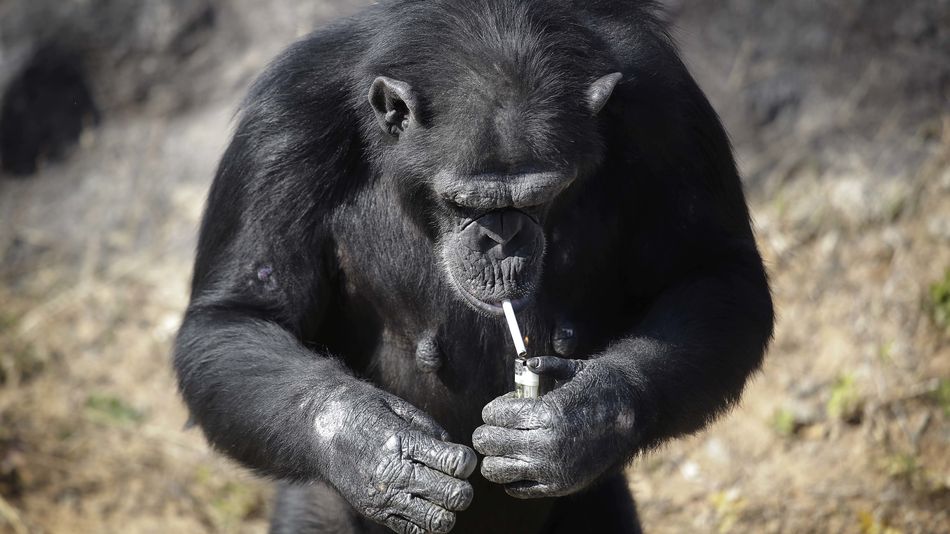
(553, 412)
(489, 470)
(411, 528)
(391, 473)
(395, 443)
(489, 412)
(456, 460)
(439, 520)
(401, 526)
(373, 512)
(479, 439)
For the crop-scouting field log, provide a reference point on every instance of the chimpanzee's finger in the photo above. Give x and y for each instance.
(503, 470)
(417, 419)
(530, 490)
(448, 492)
(450, 458)
(498, 441)
(423, 513)
(557, 368)
(401, 525)
(525, 414)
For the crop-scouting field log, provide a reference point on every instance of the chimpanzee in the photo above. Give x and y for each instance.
(397, 175)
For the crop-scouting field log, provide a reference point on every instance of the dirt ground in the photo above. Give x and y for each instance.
(840, 115)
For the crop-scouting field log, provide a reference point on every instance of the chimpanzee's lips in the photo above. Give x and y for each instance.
(494, 308)
(494, 257)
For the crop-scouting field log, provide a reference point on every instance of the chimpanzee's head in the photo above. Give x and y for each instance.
(484, 136)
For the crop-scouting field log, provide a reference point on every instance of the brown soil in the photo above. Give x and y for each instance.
(840, 113)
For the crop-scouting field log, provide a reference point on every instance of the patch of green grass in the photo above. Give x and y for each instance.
(729, 507)
(886, 352)
(785, 423)
(902, 466)
(940, 302)
(112, 410)
(845, 402)
(912, 470)
(233, 504)
(871, 525)
(7, 321)
(227, 504)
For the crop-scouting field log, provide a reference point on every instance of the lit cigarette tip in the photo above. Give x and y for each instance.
(513, 328)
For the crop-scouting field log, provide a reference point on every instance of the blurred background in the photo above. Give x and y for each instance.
(113, 114)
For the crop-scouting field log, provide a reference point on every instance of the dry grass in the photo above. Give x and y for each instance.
(91, 428)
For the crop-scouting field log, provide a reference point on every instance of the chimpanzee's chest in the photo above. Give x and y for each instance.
(404, 329)
(397, 321)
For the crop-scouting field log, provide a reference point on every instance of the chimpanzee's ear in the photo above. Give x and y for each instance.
(599, 92)
(394, 103)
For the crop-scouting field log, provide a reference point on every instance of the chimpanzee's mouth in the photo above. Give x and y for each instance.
(493, 308)
(494, 257)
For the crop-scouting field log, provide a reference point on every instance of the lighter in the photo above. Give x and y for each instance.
(527, 384)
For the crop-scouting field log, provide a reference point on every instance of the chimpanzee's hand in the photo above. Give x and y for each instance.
(558, 444)
(392, 462)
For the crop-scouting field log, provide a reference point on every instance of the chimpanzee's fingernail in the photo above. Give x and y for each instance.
(534, 363)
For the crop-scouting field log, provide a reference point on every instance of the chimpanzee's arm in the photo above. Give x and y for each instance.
(261, 279)
(689, 359)
(686, 362)
(692, 257)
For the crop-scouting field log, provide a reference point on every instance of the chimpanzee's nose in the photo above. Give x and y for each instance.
(497, 233)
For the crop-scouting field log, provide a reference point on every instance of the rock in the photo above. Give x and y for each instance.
(860, 200)
(851, 198)
(690, 470)
(718, 451)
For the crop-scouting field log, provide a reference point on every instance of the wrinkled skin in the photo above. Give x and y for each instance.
(557, 444)
(496, 257)
(394, 464)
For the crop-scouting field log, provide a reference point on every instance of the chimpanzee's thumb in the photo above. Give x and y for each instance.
(556, 368)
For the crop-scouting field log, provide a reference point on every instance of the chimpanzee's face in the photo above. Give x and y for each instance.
(490, 161)
(492, 242)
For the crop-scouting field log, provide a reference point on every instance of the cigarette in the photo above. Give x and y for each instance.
(527, 384)
(513, 328)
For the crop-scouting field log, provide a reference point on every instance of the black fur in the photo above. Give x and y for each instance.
(325, 262)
